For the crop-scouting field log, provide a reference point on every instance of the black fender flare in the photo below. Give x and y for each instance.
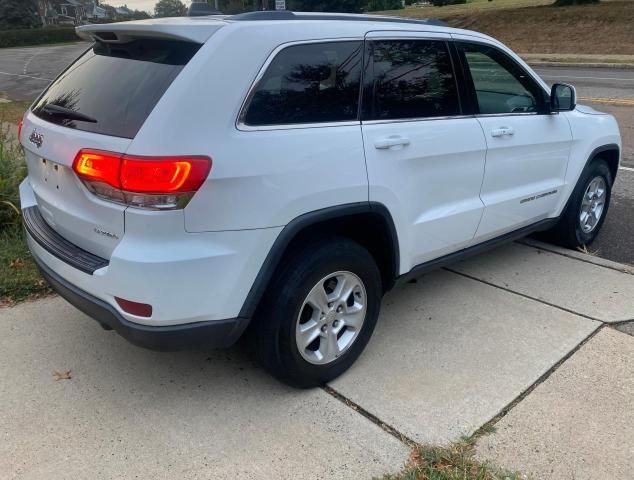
(609, 147)
(297, 225)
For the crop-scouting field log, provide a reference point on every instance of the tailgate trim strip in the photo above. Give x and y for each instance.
(56, 245)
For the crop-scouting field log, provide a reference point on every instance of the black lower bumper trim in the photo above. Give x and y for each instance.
(58, 246)
(191, 336)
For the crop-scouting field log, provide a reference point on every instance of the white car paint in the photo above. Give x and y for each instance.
(447, 183)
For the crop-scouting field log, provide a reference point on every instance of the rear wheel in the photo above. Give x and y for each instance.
(588, 206)
(319, 312)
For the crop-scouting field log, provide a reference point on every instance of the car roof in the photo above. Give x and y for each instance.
(317, 16)
(199, 29)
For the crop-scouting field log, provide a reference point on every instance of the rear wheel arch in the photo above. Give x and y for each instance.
(368, 223)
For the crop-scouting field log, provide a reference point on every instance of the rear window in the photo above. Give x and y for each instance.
(112, 88)
(310, 83)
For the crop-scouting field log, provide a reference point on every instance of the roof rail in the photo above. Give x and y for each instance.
(288, 15)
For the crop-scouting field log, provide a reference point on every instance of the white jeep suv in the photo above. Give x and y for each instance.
(190, 178)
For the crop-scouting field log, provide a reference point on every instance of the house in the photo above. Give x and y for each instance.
(96, 13)
(123, 11)
(47, 12)
(71, 12)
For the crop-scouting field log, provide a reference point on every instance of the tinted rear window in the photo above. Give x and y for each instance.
(311, 83)
(116, 85)
(410, 79)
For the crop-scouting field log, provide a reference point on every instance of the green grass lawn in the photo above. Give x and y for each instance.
(536, 26)
(454, 462)
(471, 6)
(19, 278)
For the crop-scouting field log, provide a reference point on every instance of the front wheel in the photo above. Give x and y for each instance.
(588, 206)
(319, 312)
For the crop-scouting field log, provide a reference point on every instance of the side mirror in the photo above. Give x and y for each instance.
(563, 97)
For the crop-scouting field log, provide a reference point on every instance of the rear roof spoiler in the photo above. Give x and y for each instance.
(171, 28)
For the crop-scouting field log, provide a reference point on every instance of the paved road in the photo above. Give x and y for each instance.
(593, 82)
(24, 72)
(616, 241)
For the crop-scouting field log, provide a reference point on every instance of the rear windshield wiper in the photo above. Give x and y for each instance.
(53, 109)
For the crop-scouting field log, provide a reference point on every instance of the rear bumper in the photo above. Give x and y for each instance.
(212, 334)
(196, 283)
(189, 279)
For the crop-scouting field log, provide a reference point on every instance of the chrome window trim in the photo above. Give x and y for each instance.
(407, 35)
(510, 114)
(296, 126)
(417, 119)
(240, 123)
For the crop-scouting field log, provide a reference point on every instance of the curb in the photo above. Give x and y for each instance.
(584, 257)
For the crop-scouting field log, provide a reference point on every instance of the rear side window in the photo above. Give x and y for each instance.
(410, 79)
(309, 83)
(112, 88)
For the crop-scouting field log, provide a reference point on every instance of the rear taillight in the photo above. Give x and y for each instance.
(149, 182)
(20, 125)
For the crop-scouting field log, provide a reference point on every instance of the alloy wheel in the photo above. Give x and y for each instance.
(331, 317)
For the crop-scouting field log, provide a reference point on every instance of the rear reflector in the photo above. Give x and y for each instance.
(151, 182)
(134, 308)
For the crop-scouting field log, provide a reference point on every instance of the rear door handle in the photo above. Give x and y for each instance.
(391, 141)
(502, 131)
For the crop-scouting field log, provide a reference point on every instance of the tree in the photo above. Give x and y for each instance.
(16, 14)
(170, 8)
(373, 5)
(348, 6)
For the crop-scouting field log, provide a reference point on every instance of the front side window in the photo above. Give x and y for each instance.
(409, 79)
(501, 85)
(308, 83)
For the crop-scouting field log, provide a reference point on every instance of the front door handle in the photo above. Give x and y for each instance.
(502, 131)
(394, 142)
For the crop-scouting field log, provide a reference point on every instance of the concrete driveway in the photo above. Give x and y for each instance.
(452, 351)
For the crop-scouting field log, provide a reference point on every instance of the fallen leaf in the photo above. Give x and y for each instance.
(62, 376)
(415, 458)
(17, 263)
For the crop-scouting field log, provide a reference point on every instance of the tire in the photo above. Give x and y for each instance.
(572, 231)
(287, 319)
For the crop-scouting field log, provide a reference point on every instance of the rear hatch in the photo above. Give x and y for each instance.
(99, 102)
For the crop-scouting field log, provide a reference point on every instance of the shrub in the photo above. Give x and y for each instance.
(39, 36)
(12, 172)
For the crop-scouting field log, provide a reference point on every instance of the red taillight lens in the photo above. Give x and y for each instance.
(20, 125)
(97, 166)
(165, 175)
(154, 182)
